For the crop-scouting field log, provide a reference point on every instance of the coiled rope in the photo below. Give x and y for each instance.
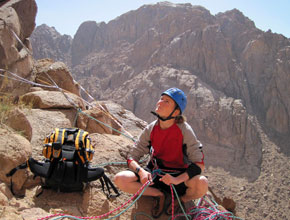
(205, 210)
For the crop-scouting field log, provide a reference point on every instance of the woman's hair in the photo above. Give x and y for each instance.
(180, 119)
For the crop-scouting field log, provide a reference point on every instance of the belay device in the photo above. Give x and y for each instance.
(68, 152)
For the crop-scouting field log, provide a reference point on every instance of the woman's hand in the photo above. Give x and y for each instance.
(145, 176)
(168, 179)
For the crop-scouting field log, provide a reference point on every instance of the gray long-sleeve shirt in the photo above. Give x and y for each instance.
(193, 151)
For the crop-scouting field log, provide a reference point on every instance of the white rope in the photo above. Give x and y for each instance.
(104, 110)
(18, 39)
(19, 78)
(84, 90)
(61, 90)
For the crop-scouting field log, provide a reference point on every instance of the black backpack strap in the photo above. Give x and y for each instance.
(109, 184)
(20, 167)
(13, 171)
(42, 169)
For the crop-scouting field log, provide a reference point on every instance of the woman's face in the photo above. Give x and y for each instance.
(165, 106)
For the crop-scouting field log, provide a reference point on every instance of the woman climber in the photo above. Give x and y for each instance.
(175, 153)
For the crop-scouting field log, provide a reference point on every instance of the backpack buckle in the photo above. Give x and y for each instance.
(56, 149)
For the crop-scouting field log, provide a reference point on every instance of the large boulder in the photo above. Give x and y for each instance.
(98, 120)
(52, 100)
(130, 124)
(18, 121)
(26, 11)
(46, 71)
(29, 214)
(16, 23)
(43, 122)
(14, 150)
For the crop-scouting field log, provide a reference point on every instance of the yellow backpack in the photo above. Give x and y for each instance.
(57, 144)
(66, 168)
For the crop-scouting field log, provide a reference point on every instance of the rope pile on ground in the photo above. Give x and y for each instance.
(137, 195)
(207, 209)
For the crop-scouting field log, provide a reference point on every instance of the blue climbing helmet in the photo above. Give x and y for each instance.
(178, 96)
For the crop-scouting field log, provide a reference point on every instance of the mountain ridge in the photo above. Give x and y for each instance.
(236, 38)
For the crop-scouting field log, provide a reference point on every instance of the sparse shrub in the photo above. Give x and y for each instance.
(5, 107)
(9, 102)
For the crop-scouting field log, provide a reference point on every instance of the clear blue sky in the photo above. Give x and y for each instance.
(67, 15)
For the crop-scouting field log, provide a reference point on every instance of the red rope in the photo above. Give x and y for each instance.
(172, 202)
(209, 212)
(103, 215)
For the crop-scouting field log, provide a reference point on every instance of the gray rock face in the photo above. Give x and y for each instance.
(48, 43)
(87, 32)
(52, 100)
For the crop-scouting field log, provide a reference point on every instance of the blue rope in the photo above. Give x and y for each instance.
(197, 212)
(117, 163)
(186, 216)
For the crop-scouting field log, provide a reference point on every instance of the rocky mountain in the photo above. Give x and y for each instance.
(234, 74)
(225, 51)
(48, 43)
(153, 47)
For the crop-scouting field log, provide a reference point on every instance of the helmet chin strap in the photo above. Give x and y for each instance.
(165, 119)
